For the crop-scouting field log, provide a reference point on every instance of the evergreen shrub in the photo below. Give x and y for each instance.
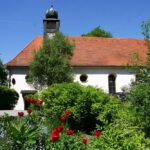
(8, 98)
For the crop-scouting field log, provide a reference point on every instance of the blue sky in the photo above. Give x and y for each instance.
(22, 20)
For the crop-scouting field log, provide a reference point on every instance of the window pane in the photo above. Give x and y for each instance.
(112, 84)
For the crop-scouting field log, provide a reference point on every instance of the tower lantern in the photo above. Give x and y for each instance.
(51, 22)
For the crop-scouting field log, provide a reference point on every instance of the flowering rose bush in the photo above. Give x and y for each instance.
(36, 130)
(34, 101)
(63, 138)
(88, 105)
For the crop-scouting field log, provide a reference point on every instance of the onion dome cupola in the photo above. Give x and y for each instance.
(51, 22)
(51, 13)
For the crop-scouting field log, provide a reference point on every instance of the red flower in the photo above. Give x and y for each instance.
(67, 113)
(41, 102)
(30, 100)
(34, 101)
(84, 141)
(63, 118)
(55, 130)
(69, 132)
(29, 111)
(55, 136)
(97, 133)
(20, 114)
(60, 128)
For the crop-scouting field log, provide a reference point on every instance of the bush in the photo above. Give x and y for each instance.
(4, 139)
(8, 98)
(85, 104)
(124, 133)
(22, 132)
(139, 96)
(117, 127)
(37, 132)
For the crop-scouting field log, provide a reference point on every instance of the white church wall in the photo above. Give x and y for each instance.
(19, 74)
(97, 77)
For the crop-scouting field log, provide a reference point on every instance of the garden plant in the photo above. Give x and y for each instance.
(70, 116)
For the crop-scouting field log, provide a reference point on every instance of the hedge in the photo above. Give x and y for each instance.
(8, 98)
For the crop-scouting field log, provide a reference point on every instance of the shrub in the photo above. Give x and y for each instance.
(5, 143)
(37, 131)
(8, 98)
(22, 132)
(40, 130)
(85, 103)
(139, 96)
(124, 133)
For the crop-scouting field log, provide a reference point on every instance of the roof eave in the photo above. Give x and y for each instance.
(9, 67)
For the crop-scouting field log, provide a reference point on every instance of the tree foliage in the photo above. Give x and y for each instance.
(52, 63)
(98, 32)
(146, 32)
(139, 92)
(3, 74)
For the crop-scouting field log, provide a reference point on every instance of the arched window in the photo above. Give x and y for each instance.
(112, 84)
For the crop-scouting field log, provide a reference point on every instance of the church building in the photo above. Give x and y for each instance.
(96, 61)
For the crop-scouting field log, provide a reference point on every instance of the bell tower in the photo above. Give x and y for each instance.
(51, 22)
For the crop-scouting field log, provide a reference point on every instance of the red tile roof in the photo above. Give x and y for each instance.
(90, 51)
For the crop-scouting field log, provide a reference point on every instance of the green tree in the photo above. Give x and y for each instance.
(52, 63)
(98, 32)
(3, 74)
(143, 70)
(139, 92)
(146, 32)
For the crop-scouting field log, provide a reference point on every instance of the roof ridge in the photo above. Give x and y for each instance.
(118, 38)
(114, 38)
